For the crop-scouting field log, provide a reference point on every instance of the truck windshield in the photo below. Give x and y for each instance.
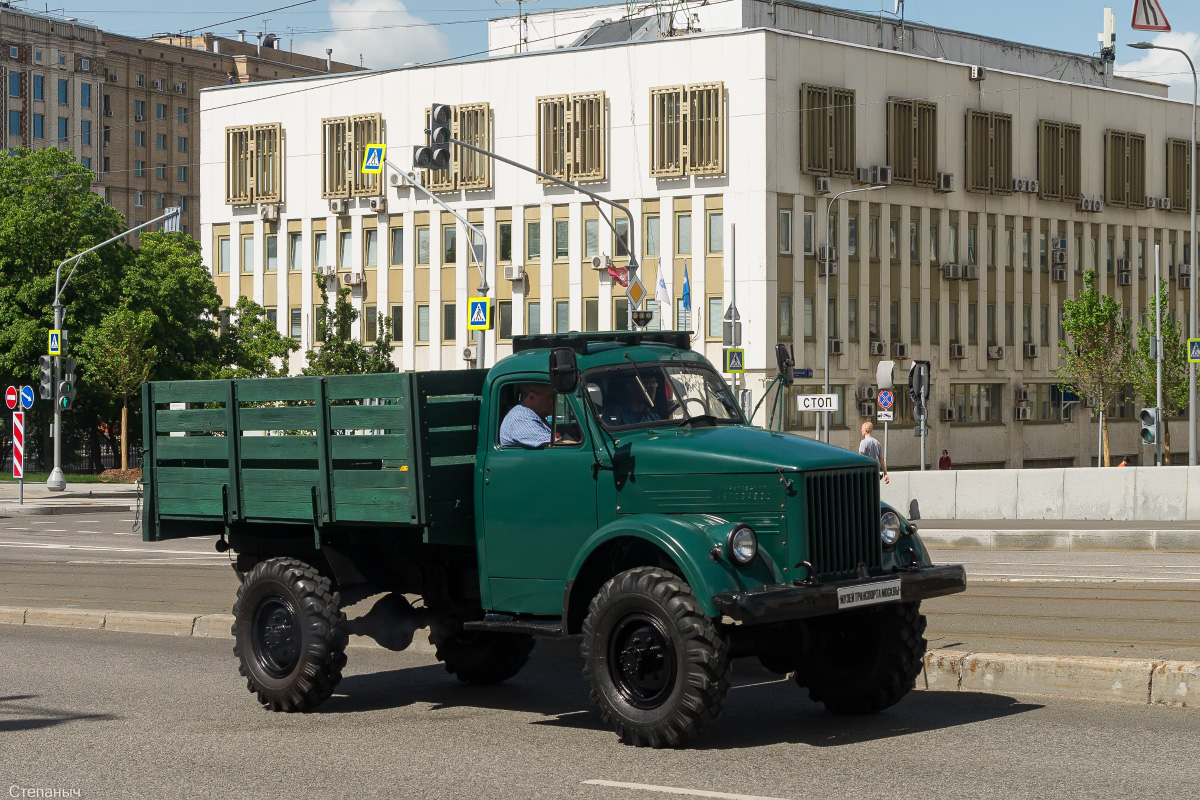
(657, 394)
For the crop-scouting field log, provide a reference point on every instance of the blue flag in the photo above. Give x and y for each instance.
(687, 290)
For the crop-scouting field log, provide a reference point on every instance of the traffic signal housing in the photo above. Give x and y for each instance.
(45, 377)
(436, 155)
(1151, 419)
(66, 387)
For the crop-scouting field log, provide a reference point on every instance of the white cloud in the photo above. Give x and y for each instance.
(375, 30)
(1165, 66)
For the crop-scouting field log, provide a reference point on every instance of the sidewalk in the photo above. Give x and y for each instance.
(77, 498)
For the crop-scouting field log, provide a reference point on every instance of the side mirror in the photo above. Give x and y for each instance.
(564, 370)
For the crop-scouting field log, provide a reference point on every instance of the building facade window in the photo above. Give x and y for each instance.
(295, 258)
(370, 247)
(716, 232)
(533, 240)
(989, 152)
(976, 403)
(39, 126)
(715, 321)
(139, 169)
(449, 322)
(422, 323)
(683, 234)
(572, 133)
(397, 323)
(85, 95)
(222, 253)
(1060, 161)
(62, 92)
(63, 134)
(297, 323)
(1124, 169)
(471, 123)
(344, 143)
(687, 130)
(912, 142)
(449, 244)
(562, 240)
(533, 317)
(827, 131)
(271, 256)
(253, 164)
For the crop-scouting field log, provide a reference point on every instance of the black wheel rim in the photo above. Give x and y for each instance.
(642, 660)
(276, 633)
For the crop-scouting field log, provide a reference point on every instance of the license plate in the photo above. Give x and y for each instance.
(868, 594)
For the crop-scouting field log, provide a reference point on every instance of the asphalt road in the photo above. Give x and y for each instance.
(127, 715)
(1142, 605)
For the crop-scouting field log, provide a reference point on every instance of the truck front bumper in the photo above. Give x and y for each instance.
(782, 603)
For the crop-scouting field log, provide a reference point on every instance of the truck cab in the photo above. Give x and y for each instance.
(627, 501)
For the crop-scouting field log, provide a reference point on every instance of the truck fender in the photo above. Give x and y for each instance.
(686, 540)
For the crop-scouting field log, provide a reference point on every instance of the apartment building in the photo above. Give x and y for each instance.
(127, 107)
(1004, 188)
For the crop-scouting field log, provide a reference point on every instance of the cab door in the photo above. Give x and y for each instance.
(539, 506)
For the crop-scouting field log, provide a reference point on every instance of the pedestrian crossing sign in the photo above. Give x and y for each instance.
(479, 310)
(54, 345)
(735, 360)
(1194, 351)
(373, 159)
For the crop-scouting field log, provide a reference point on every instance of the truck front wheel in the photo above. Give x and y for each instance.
(657, 665)
(289, 635)
(864, 663)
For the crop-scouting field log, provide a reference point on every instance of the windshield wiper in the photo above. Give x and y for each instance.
(638, 374)
(703, 419)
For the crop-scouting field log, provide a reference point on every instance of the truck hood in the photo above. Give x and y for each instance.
(731, 449)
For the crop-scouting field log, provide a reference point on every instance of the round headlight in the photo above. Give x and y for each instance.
(742, 544)
(889, 528)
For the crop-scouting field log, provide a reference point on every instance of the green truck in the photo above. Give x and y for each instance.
(651, 520)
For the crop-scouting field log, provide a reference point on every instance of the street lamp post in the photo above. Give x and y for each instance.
(828, 248)
(1192, 322)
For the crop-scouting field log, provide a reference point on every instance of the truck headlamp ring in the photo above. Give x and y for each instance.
(889, 528)
(742, 544)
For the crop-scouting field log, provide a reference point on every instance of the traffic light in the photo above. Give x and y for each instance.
(786, 362)
(45, 377)
(436, 155)
(66, 387)
(1151, 425)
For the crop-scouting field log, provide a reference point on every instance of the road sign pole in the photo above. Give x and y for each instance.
(1158, 351)
(57, 482)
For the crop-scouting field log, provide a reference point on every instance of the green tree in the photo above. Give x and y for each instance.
(1097, 361)
(340, 353)
(117, 356)
(1174, 368)
(252, 344)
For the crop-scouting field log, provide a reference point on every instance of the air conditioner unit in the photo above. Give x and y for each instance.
(958, 351)
(835, 347)
(1058, 257)
(1097, 205)
(1151, 202)
(1185, 269)
(833, 269)
(1031, 350)
(138, 118)
(945, 182)
(1084, 204)
(1185, 281)
(1058, 243)
(995, 353)
(1164, 203)
(337, 206)
(948, 415)
(269, 212)
(514, 272)
(599, 264)
(1020, 185)
(827, 253)
(108, 112)
(824, 185)
(354, 277)
(1124, 279)
(379, 204)
(881, 176)
(862, 175)
(1058, 275)
(866, 409)
(468, 354)
(1033, 186)
(1021, 395)
(179, 88)
(970, 272)
(879, 348)
(1123, 265)
(1021, 413)
(951, 272)
(866, 393)
(899, 350)
(326, 270)
(158, 84)
(978, 73)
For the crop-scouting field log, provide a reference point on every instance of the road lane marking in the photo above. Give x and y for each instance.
(647, 787)
(99, 548)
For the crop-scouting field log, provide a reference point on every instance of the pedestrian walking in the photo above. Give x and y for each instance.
(870, 446)
(944, 461)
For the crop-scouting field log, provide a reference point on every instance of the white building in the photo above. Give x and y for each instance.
(994, 172)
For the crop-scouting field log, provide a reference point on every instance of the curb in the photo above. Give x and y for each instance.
(1177, 541)
(200, 626)
(40, 510)
(1120, 680)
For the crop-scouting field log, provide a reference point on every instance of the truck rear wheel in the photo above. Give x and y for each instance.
(480, 657)
(289, 635)
(864, 663)
(657, 665)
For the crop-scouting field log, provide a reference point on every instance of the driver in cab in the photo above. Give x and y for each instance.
(633, 400)
(525, 424)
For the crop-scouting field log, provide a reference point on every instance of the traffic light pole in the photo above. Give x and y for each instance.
(57, 482)
(1158, 354)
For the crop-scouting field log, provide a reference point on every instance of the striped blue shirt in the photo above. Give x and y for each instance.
(522, 427)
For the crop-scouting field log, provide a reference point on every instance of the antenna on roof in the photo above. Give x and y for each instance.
(1108, 39)
(522, 22)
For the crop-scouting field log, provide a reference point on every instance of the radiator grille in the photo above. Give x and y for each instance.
(843, 522)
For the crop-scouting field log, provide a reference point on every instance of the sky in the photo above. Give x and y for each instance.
(390, 33)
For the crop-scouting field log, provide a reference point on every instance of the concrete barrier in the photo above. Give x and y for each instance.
(12, 616)
(1176, 683)
(65, 618)
(1166, 494)
(150, 622)
(213, 626)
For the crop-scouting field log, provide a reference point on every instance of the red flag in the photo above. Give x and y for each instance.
(619, 274)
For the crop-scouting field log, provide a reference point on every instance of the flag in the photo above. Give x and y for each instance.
(687, 290)
(660, 291)
(618, 274)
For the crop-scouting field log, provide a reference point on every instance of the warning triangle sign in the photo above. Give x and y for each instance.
(479, 314)
(1148, 16)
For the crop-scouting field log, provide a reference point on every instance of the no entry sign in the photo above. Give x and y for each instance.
(10, 397)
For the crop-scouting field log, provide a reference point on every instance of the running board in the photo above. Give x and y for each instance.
(502, 623)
